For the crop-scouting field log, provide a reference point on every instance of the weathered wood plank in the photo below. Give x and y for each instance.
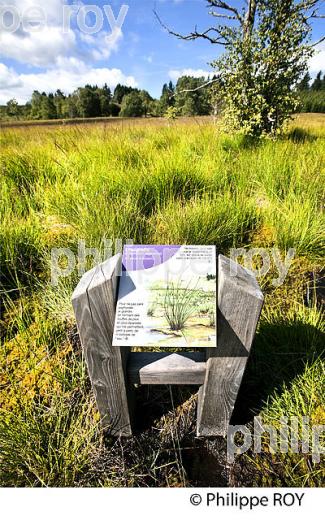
(240, 302)
(161, 368)
(94, 303)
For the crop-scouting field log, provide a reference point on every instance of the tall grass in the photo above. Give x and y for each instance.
(186, 183)
(178, 304)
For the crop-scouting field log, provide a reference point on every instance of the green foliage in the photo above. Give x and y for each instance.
(136, 104)
(262, 64)
(318, 83)
(304, 83)
(12, 108)
(312, 96)
(192, 100)
(121, 91)
(167, 99)
(171, 113)
(92, 101)
(312, 101)
(267, 48)
(42, 106)
(88, 102)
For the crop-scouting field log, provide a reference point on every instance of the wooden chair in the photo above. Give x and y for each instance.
(217, 371)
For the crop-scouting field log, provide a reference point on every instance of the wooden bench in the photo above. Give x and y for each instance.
(217, 371)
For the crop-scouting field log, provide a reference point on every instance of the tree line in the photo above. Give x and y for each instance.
(186, 98)
(312, 94)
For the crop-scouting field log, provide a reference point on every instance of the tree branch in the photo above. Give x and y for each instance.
(318, 42)
(224, 5)
(220, 15)
(214, 80)
(221, 39)
(305, 5)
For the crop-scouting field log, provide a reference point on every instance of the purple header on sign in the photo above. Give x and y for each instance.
(136, 257)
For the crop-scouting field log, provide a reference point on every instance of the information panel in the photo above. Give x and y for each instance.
(167, 297)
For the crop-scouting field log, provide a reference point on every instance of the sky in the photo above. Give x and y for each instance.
(122, 45)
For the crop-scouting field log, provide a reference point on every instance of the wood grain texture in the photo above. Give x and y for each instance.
(240, 302)
(94, 302)
(161, 368)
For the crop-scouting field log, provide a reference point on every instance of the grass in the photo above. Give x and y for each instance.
(179, 305)
(183, 183)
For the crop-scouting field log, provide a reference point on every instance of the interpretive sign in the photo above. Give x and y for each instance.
(167, 297)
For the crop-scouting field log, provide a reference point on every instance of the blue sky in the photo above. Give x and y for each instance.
(140, 53)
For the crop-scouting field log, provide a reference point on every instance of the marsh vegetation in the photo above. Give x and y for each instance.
(159, 184)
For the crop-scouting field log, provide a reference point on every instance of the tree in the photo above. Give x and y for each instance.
(12, 108)
(267, 49)
(88, 101)
(105, 99)
(48, 109)
(26, 111)
(191, 100)
(318, 82)
(36, 103)
(304, 83)
(121, 91)
(132, 105)
(147, 102)
(71, 106)
(43, 106)
(167, 98)
(60, 103)
(115, 109)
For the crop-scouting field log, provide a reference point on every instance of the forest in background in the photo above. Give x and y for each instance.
(124, 101)
(186, 98)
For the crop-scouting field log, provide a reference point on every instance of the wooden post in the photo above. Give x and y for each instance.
(219, 371)
(240, 302)
(94, 302)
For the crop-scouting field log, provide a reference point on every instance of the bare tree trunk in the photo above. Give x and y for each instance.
(249, 19)
(248, 26)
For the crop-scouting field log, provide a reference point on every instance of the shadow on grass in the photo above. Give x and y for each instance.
(164, 448)
(279, 354)
(240, 142)
(301, 135)
(166, 416)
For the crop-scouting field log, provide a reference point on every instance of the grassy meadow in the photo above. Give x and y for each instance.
(177, 182)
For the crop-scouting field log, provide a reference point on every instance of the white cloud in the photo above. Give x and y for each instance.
(56, 40)
(40, 49)
(196, 73)
(64, 58)
(8, 78)
(103, 44)
(21, 86)
(52, 8)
